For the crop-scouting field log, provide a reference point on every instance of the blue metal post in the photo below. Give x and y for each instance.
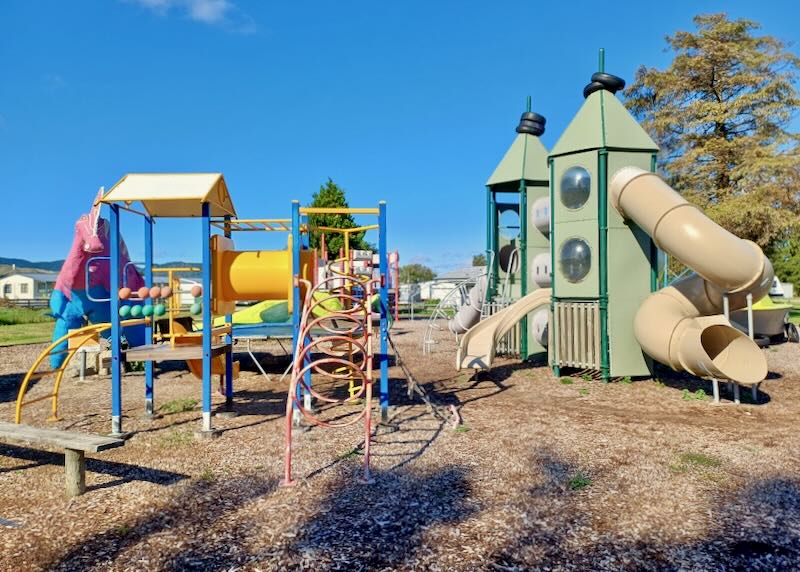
(383, 262)
(295, 283)
(148, 329)
(306, 243)
(229, 342)
(116, 350)
(207, 323)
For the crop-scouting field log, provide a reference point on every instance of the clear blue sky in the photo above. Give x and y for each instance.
(412, 102)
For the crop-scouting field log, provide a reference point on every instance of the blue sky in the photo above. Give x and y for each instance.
(412, 102)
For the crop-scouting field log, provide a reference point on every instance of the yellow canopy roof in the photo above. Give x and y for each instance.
(174, 194)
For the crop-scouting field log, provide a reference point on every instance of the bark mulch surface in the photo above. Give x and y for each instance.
(544, 474)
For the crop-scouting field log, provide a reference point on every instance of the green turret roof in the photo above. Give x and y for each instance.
(602, 121)
(525, 159)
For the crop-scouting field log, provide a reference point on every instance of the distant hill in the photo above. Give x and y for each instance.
(7, 265)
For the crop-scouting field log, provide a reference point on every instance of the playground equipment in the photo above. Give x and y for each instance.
(335, 336)
(83, 282)
(609, 220)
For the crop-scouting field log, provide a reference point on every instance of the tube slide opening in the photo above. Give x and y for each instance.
(735, 355)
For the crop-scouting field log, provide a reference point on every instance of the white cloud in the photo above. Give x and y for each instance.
(222, 13)
(53, 81)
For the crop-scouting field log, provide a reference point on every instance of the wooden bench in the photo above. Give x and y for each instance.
(75, 446)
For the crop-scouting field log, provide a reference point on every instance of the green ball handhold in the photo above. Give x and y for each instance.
(196, 309)
(136, 311)
(124, 311)
(147, 311)
(159, 309)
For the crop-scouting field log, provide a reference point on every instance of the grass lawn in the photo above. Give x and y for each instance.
(25, 333)
(794, 315)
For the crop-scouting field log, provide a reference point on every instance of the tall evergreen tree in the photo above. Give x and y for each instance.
(720, 113)
(330, 195)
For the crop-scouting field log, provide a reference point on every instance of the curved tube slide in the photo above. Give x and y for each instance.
(469, 313)
(477, 346)
(681, 325)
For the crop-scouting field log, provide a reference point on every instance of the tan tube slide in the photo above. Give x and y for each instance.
(681, 325)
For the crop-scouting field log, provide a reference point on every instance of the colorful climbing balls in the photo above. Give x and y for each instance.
(197, 290)
(124, 311)
(124, 293)
(196, 309)
(166, 291)
(143, 292)
(159, 309)
(147, 311)
(155, 292)
(136, 311)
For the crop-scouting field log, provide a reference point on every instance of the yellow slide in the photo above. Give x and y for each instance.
(477, 346)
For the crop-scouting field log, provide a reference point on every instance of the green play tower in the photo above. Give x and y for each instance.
(513, 240)
(604, 267)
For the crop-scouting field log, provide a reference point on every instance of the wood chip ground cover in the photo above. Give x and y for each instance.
(580, 476)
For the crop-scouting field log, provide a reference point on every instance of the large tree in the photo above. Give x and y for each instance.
(721, 113)
(330, 195)
(415, 273)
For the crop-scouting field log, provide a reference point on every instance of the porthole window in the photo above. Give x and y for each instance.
(576, 184)
(575, 259)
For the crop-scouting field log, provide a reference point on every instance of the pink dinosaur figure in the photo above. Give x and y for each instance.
(74, 302)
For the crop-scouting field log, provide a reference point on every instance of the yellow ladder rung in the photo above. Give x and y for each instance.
(37, 399)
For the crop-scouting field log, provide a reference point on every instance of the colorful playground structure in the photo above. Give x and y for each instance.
(594, 225)
(328, 308)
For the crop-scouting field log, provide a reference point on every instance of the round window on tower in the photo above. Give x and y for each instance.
(575, 259)
(576, 184)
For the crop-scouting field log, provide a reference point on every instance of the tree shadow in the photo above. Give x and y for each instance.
(756, 528)
(376, 527)
(196, 508)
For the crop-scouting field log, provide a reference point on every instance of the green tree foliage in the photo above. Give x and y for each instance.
(479, 259)
(786, 260)
(720, 113)
(330, 195)
(415, 273)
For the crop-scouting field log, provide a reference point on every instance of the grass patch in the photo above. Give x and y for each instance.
(583, 392)
(462, 429)
(699, 460)
(177, 438)
(566, 381)
(699, 395)
(26, 333)
(586, 377)
(207, 476)
(179, 405)
(794, 315)
(626, 380)
(351, 454)
(11, 316)
(579, 481)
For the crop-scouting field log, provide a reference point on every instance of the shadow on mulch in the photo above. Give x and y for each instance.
(685, 381)
(359, 527)
(757, 529)
(124, 472)
(9, 385)
(198, 506)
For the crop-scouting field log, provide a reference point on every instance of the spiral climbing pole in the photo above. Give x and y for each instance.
(335, 343)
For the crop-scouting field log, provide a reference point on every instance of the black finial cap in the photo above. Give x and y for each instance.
(531, 123)
(606, 81)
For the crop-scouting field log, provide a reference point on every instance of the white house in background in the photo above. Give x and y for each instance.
(27, 285)
(439, 287)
